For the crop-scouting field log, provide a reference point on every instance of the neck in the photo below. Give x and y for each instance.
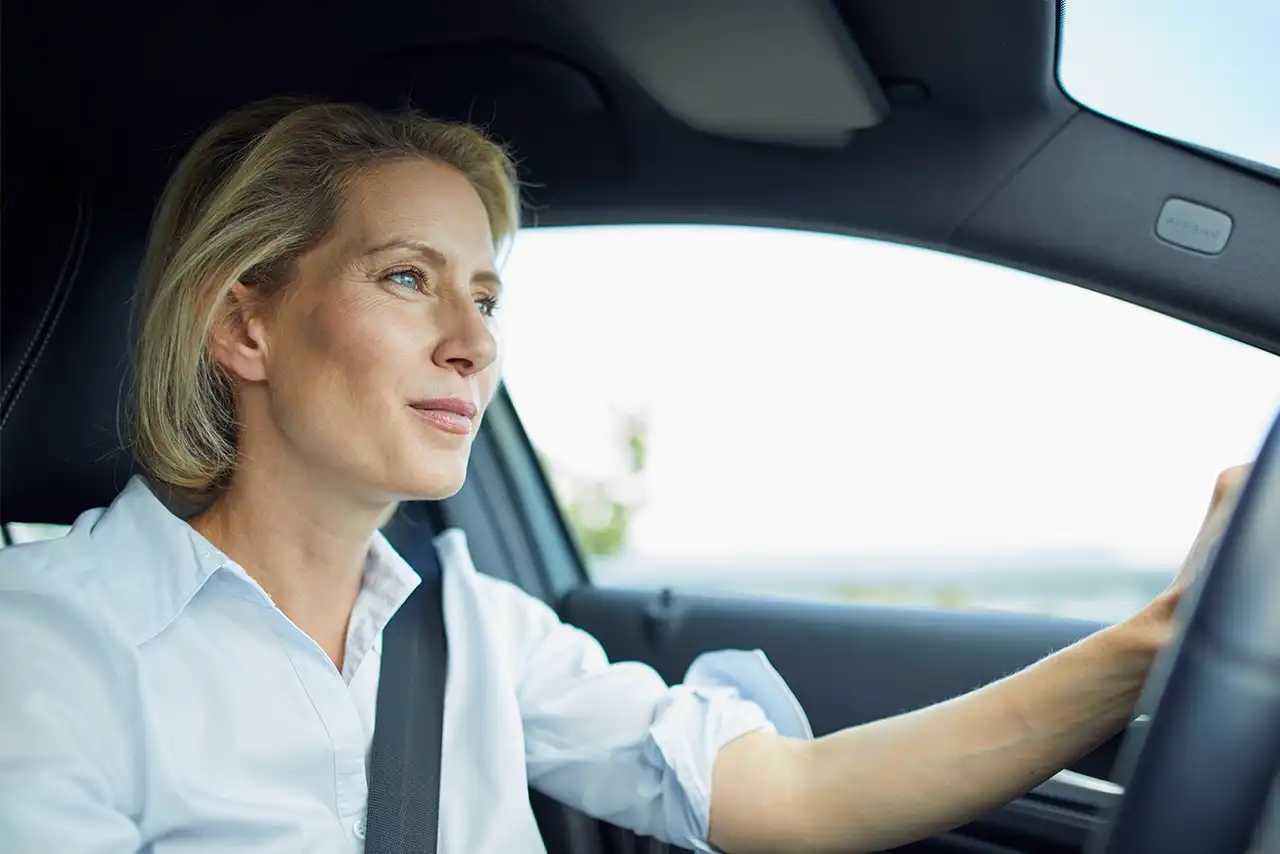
(304, 541)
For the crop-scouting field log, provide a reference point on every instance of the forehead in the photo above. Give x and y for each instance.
(418, 200)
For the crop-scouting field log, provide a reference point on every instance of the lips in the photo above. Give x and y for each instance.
(450, 414)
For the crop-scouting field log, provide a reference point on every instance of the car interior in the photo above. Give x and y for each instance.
(933, 124)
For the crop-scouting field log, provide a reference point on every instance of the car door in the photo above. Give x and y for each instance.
(1035, 471)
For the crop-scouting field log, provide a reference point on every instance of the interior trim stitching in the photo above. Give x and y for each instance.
(48, 307)
(57, 303)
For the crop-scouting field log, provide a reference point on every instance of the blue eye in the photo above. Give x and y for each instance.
(488, 306)
(411, 279)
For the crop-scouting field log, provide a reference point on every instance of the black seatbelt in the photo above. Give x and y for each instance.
(404, 770)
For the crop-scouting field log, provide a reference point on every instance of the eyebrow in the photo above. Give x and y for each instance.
(435, 256)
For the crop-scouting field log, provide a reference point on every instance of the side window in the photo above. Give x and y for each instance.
(812, 415)
(30, 532)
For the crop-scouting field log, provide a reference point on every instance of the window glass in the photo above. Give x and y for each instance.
(824, 416)
(1203, 73)
(30, 532)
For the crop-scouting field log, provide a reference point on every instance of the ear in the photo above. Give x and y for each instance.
(239, 336)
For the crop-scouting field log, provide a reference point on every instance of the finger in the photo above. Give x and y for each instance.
(1226, 492)
(1227, 487)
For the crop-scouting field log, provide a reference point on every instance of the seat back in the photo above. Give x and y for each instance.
(68, 267)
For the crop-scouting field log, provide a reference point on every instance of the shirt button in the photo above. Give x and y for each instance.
(359, 828)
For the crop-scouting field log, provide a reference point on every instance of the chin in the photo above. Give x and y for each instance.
(432, 481)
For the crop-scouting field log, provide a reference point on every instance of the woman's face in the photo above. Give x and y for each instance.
(375, 366)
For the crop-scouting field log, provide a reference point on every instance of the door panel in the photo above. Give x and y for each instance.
(852, 664)
(847, 664)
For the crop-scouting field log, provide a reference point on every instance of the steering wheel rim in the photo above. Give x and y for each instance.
(1203, 767)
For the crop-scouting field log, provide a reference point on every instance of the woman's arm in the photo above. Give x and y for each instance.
(901, 779)
(894, 781)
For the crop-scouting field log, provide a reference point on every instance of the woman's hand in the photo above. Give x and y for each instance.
(1156, 620)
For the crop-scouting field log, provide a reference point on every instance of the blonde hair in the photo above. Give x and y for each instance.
(256, 191)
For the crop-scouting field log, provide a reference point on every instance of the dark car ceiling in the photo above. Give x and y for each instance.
(980, 153)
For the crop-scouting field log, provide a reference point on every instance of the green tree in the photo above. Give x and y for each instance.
(600, 524)
(599, 512)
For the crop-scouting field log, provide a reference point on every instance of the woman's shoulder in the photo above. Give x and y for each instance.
(58, 567)
(64, 592)
(517, 617)
(126, 569)
(461, 573)
(58, 639)
(74, 670)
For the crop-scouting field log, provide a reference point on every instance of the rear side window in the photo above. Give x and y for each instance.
(830, 417)
(30, 532)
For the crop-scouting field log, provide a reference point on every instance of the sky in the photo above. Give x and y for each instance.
(1206, 73)
(829, 396)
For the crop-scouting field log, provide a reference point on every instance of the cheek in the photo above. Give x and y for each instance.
(339, 333)
(487, 381)
(344, 349)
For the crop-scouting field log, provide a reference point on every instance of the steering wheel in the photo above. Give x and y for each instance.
(1203, 768)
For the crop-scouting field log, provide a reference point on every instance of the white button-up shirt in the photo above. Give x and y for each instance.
(153, 698)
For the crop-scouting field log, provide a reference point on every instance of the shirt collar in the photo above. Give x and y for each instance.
(387, 582)
(387, 572)
(159, 563)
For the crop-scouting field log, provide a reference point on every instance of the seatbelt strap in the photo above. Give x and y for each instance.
(404, 770)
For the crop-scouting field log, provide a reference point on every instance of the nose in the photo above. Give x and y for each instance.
(467, 344)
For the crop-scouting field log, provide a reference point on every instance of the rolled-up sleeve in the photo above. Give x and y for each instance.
(724, 695)
(615, 741)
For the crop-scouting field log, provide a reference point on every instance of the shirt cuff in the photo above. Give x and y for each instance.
(724, 695)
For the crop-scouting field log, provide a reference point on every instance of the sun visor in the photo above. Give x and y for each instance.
(756, 70)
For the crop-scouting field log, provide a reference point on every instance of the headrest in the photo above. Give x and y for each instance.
(68, 270)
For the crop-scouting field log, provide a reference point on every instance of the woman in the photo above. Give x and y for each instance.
(318, 341)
